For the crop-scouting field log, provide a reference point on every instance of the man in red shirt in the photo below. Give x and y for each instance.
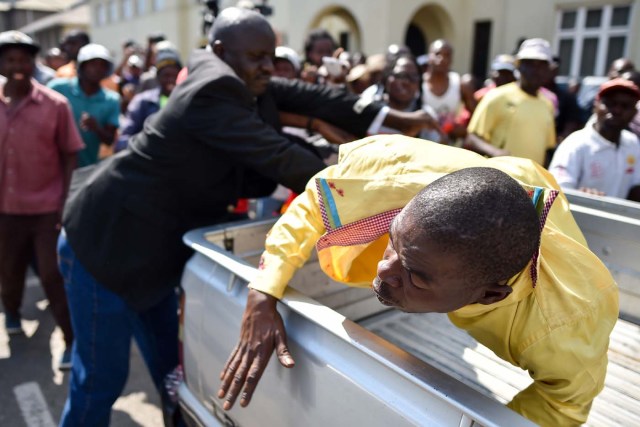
(38, 146)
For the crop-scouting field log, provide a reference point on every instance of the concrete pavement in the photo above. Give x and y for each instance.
(33, 391)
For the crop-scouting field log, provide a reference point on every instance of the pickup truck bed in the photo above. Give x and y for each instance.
(432, 338)
(359, 363)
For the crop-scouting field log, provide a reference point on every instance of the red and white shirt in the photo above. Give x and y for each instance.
(32, 137)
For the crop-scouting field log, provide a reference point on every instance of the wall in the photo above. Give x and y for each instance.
(380, 22)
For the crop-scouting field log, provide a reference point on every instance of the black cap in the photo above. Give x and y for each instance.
(18, 39)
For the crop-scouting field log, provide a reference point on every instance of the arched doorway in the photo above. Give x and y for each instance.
(415, 40)
(341, 24)
(427, 24)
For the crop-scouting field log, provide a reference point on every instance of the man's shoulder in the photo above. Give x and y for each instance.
(205, 64)
(110, 95)
(629, 140)
(50, 95)
(207, 70)
(580, 138)
(148, 96)
(501, 94)
(60, 84)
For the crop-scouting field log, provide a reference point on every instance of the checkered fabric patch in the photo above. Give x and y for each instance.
(367, 230)
(359, 232)
(543, 218)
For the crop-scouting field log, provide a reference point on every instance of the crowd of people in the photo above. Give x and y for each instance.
(243, 116)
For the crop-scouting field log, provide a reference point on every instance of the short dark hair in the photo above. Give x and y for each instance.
(83, 36)
(484, 217)
(314, 36)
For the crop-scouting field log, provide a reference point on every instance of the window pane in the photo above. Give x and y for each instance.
(113, 10)
(141, 6)
(158, 4)
(615, 49)
(101, 14)
(594, 16)
(568, 20)
(620, 16)
(565, 52)
(127, 9)
(589, 53)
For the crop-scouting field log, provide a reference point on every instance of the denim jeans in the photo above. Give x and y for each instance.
(104, 325)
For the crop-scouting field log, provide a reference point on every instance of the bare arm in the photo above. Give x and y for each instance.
(410, 123)
(478, 144)
(467, 93)
(333, 134)
(68, 162)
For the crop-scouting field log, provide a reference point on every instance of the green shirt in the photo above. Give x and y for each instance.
(104, 105)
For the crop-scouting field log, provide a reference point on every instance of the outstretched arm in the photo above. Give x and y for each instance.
(475, 143)
(410, 123)
(287, 248)
(331, 133)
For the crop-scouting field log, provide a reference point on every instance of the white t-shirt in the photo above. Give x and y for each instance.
(586, 159)
(447, 105)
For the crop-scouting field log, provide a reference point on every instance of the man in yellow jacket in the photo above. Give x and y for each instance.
(432, 228)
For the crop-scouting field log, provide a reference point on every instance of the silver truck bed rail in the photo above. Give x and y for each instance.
(612, 229)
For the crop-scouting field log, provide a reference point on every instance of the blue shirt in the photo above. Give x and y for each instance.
(104, 106)
(141, 106)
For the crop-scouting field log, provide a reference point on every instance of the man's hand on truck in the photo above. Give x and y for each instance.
(262, 331)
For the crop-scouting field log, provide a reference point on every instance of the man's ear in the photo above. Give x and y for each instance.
(494, 292)
(218, 49)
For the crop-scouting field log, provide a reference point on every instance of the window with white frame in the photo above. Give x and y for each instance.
(158, 5)
(589, 38)
(141, 6)
(127, 9)
(114, 16)
(101, 14)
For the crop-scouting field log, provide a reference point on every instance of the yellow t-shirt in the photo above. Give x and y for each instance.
(558, 330)
(509, 118)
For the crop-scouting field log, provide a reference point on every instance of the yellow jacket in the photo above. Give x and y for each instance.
(556, 322)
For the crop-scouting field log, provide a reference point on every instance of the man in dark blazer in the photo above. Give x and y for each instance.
(121, 252)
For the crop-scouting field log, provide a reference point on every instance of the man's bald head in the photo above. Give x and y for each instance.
(232, 22)
(244, 40)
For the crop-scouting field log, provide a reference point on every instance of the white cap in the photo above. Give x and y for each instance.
(503, 62)
(284, 52)
(538, 49)
(95, 51)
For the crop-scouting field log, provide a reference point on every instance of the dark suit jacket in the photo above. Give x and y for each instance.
(184, 171)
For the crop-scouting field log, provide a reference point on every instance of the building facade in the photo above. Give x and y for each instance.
(44, 20)
(586, 34)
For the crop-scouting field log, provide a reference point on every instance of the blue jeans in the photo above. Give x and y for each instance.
(104, 325)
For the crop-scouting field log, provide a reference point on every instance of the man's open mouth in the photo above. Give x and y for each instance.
(377, 289)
